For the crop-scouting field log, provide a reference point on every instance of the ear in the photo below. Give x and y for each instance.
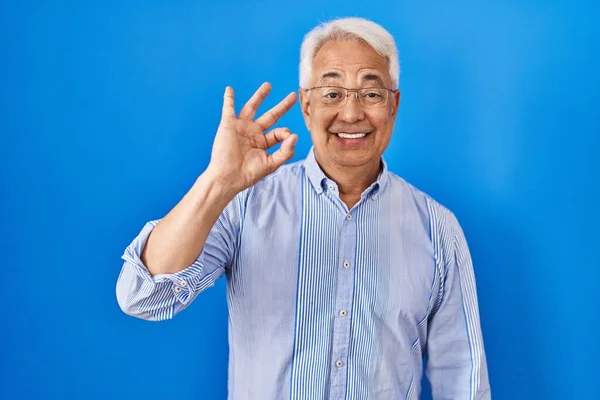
(396, 102)
(305, 105)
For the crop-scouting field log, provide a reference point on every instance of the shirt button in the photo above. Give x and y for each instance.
(348, 217)
(343, 313)
(346, 264)
(183, 283)
(331, 187)
(177, 289)
(339, 364)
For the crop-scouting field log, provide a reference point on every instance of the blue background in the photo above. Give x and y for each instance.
(107, 115)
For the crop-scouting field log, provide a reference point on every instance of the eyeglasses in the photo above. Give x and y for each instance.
(335, 96)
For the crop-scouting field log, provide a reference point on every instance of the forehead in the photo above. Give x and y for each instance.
(345, 60)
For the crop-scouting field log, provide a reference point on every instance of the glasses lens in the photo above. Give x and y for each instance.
(373, 97)
(332, 96)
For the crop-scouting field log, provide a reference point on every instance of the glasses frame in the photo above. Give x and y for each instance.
(348, 91)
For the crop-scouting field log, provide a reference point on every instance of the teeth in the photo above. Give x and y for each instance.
(351, 135)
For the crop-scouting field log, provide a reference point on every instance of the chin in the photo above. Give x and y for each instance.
(353, 157)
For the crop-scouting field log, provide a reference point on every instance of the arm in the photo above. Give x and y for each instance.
(160, 295)
(456, 365)
(190, 222)
(172, 260)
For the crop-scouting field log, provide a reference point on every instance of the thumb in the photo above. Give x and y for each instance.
(284, 153)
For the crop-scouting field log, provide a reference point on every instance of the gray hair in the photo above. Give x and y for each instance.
(349, 29)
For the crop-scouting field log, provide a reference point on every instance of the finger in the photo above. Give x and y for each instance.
(228, 106)
(250, 108)
(270, 117)
(284, 153)
(275, 136)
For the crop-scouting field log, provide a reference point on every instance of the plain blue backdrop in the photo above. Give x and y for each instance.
(107, 115)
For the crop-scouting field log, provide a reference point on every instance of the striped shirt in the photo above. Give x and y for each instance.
(331, 303)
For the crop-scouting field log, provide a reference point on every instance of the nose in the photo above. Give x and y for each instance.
(352, 111)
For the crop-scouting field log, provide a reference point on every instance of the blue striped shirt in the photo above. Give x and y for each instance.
(331, 303)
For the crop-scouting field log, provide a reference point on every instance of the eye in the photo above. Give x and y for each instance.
(331, 93)
(372, 94)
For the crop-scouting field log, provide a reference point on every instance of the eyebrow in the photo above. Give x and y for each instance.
(331, 75)
(371, 77)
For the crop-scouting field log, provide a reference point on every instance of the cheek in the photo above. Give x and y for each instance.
(384, 121)
(380, 122)
(320, 120)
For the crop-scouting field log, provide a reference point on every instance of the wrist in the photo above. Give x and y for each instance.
(216, 185)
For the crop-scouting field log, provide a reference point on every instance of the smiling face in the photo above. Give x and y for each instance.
(350, 135)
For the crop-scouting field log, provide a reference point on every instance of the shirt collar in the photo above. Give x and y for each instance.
(319, 180)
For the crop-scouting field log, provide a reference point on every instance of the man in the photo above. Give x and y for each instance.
(341, 276)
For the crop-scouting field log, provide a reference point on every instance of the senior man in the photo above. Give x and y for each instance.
(342, 278)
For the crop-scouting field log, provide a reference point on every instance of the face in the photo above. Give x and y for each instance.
(353, 65)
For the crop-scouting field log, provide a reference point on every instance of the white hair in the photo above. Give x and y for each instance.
(349, 29)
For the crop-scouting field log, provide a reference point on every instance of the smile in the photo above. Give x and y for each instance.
(344, 135)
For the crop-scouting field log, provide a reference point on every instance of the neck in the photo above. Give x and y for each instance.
(351, 181)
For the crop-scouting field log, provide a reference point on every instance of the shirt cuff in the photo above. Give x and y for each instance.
(184, 284)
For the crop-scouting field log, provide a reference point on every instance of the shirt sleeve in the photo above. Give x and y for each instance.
(162, 296)
(456, 364)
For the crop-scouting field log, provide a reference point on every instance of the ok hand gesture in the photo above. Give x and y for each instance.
(239, 154)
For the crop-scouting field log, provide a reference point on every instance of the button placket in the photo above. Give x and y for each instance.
(343, 305)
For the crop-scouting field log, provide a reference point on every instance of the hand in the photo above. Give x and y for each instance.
(239, 156)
